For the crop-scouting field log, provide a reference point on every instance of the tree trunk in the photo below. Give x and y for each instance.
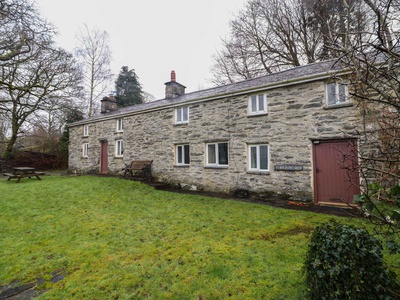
(10, 145)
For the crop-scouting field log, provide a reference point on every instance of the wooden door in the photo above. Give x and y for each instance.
(336, 177)
(104, 157)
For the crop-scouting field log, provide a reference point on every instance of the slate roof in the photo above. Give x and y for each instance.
(294, 75)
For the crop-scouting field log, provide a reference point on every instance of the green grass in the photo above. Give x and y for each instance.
(118, 239)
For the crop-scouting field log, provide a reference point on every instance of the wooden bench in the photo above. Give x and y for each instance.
(11, 175)
(139, 165)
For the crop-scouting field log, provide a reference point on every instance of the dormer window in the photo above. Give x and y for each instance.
(182, 115)
(257, 104)
(336, 93)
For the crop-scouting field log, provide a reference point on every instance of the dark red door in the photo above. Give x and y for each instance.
(104, 157)
(336, 178)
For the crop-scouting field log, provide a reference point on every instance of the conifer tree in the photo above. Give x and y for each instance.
(128, 89)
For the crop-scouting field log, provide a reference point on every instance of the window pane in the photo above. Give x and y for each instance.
(254, 103)
(211, 154)
(331, 93)
(261, 102)
(223, 153)
(179, 154)
(84, 149)
(119, 148)
(253, 157)
(263, 157)
(185, 114)
(179, 115)
(342, 93)
(187, 159)
(119, 125)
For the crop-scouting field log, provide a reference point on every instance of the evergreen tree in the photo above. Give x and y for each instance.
(129, 91)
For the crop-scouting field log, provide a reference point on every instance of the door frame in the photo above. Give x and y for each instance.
(315, 143)
(103, 157)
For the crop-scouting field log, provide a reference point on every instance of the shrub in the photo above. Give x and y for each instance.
(344, 262)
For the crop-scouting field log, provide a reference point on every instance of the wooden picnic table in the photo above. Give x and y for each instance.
(23, 172)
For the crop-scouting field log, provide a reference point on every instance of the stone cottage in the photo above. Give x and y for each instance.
(294, 132)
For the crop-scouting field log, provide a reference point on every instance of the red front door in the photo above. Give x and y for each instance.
(104, 157)
(336, 178)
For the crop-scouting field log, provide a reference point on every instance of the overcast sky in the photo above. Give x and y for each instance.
(152, 36)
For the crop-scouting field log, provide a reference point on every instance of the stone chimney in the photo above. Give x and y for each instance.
(174, 89)
(108, 104)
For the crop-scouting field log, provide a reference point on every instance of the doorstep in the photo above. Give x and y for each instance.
(334, 204)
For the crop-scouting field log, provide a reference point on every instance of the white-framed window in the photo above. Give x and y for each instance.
(119, 148)
(217, 154)
(258, 157)
(182, 115)
(336, 93)
(258, 104)
(182, 155)
(85, 130)
(85, 149)
(120, 125)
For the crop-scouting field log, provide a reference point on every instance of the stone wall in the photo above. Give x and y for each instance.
(296, 116)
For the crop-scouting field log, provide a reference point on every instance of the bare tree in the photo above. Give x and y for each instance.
(32, 68)
(374, 57)
(147, 97)
(19, 27)
(28, 85)
(95, 56)
(273, 35)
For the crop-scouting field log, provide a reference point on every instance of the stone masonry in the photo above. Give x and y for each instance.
(297, 115)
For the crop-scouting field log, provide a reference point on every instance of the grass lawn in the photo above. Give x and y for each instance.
(118, 239)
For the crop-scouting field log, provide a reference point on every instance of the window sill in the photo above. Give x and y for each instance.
(117, 132)
(181, 166)
(216, 167)
(118, 157)
(341, 105)
(85, 136)
(181, 124)
(84, 157)
(257, 115)
(258, 172)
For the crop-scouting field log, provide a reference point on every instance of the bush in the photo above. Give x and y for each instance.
(344, 262)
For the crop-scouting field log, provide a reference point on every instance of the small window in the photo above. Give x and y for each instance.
(182, 155)
(217, 154)
(336, 93)
(120, 125)
(258, 158)
(182, 115)
(85, 149)
(258, 104)
(119, 148)
(85, 130)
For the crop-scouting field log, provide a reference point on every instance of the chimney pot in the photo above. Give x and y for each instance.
(173, 76)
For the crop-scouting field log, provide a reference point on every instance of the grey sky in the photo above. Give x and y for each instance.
(152, 37)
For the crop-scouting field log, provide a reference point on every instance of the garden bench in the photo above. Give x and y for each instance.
(139, 165)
